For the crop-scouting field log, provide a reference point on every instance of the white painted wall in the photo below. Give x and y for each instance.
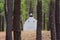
(30, 24)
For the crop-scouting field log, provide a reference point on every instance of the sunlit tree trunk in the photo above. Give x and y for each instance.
(39, 20)
(9, 19)
(52, 19)
(16, 20)
(57, 19)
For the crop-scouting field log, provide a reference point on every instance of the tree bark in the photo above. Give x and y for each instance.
(52, 19)
(16, 20)
(39, 20)
(44, 23)
(57, 19)
(9, 19)
(2, 23)
(48, 28)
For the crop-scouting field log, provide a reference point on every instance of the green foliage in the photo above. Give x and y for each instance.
(34, 8)
(1, 7)
(45, 10)
(1, 1)
(25, 9)
(45, 6)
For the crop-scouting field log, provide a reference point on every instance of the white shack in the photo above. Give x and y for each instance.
(30, 24)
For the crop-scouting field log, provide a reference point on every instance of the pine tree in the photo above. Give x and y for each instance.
(57, 19)
(0, 22)
(16, 20)
(39, 20)
(9, 19)
(52, 19)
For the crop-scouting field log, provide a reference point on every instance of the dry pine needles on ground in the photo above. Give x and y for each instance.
(29, 35)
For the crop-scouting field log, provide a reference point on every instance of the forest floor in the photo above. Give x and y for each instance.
(29, 35)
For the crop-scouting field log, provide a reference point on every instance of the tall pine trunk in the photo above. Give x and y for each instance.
(52, 19)
(39, 20)
(44, 22)
(57, 19)
(9, 19)
(16, 20)
(0, 23)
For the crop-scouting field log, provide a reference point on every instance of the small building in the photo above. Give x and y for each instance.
(30, 24)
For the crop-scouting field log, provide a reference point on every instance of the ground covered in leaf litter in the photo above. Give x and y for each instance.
(29, 35)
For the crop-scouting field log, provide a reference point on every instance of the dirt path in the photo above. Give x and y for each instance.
(29, 35)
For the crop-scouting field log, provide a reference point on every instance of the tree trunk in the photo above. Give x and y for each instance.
(39, 20)
(57, 19)
(44, 22)
(9, 19)
(0, 19)
(48, 27)
(2, 23)
(16, 20)
(52, 19)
